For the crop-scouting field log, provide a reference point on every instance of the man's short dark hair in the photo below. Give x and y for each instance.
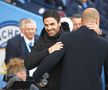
(76, 15)
(51, 13)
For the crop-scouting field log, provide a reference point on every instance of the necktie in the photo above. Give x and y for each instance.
(30, 45)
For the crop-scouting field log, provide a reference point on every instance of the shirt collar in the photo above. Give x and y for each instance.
(27, 41)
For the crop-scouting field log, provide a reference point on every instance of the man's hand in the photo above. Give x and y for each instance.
(42, 83)
(55, 47)
(94, 27)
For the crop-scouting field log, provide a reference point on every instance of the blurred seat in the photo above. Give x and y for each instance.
(66, 19)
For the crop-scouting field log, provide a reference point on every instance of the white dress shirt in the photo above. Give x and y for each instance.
(27, 41)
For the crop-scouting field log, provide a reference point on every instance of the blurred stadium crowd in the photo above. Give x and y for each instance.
(65, 7)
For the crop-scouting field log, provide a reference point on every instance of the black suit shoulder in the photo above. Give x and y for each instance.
(12, 47)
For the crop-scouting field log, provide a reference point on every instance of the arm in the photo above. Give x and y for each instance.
(48, 63)
(51, 60)
(39, 53)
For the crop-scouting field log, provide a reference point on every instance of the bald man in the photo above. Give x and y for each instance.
(83, 54)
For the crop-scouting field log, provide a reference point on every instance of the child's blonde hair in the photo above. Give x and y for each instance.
(15, 65)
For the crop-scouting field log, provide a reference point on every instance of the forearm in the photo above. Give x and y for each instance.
(34, 58)
(47, 64)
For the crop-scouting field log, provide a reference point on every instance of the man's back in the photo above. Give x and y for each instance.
(83, 53)
(83, 56)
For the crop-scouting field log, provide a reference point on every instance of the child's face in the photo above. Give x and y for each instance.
(22, 75)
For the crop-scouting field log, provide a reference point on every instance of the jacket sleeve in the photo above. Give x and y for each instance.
(48, 63)
(36, 56)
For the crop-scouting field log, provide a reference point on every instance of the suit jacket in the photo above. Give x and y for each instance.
(105, 35)
(16, 47)
(39, 52)
(83, 53)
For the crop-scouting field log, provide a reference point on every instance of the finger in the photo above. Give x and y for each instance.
(59, 42)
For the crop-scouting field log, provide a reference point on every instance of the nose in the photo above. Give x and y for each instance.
(48, 27)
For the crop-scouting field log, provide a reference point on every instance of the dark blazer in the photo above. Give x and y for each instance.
(16, 47)
(83, 53)
(39, 52)
(105, 35)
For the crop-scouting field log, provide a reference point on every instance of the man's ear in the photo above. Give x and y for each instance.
(59, 23)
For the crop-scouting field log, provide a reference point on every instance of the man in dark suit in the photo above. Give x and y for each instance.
(45, 46)
(18, 46)
(83, 54)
